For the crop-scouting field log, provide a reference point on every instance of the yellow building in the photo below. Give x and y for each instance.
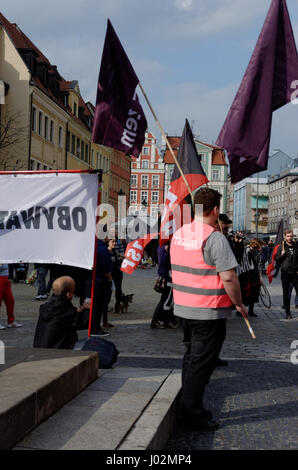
(55, 121)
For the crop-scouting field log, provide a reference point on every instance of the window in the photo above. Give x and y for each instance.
(46, 127)
(155, 180)
(215, 175)
(92, 157)
(86, 153)
(155, 196)
(32, 164)
(144, 180)
(75, 109)
(40, 123)
(60, 136)
(33, 124)
(145, 164)
(78, 147)
(73, 144)
(83, 149)
(38, 166)
(133, 180)
(52, 131)
(154, 212)
(144, 196)
(133, 196)
(145, 150)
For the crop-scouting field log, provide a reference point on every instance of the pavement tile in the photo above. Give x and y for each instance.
(254, 398)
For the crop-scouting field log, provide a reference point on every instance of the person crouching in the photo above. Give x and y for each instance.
(56, 326)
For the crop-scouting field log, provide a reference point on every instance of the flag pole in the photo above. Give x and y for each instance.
(249, 327)
(168, 143)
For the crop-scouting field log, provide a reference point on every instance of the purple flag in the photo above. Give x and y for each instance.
(119, 120)
(266, 86)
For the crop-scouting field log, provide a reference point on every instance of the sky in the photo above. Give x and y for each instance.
(189, 55)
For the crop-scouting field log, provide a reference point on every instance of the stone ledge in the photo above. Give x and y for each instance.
(153, 428)
(34, 383)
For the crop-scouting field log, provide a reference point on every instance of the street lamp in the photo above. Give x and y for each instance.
(121, 212)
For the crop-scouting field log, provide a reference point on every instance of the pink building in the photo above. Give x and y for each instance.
(147, 179)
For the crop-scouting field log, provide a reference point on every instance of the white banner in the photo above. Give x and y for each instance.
(48, 218)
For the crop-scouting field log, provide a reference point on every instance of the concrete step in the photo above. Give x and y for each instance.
(35, 383)
(126, 408)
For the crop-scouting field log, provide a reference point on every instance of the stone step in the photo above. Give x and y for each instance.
(125, 408)
(35, 383)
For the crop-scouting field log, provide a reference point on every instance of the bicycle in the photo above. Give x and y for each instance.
(265, 296)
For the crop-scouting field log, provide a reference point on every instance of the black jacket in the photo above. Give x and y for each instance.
(289, 261)
(56, 324)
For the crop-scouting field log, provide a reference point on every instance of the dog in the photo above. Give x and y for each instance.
(121, 305)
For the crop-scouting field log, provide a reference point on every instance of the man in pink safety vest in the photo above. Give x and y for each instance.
(205, 288)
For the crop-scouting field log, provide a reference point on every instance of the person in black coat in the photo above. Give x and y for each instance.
(56, 326)
(287, 257)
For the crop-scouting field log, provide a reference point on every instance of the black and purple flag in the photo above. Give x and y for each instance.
(119, 120)
(266, 86)
(193, 171)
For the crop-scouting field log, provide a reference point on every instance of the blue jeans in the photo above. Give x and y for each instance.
(44, 288)
(290, 294)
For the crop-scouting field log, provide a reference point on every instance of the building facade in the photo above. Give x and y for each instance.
(213, 162)
(147, 180)
(250, 199)
(53, 121)
(283, 201)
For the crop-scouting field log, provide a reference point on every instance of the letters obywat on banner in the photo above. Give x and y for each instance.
(48, 218)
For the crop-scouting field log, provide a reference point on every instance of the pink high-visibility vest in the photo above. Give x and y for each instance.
(195, 284)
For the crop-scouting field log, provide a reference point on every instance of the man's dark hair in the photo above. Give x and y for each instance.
(209, 198)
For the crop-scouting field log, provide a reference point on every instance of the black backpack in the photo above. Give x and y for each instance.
(107, 351)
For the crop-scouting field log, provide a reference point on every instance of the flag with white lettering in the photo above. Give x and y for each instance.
(48, 218)
(190, 163)
(119, 120)
(141, 233)
(135, 251)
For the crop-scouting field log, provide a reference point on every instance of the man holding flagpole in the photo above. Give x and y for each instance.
(205, 287)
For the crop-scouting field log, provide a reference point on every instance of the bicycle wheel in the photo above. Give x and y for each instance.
(265, 296)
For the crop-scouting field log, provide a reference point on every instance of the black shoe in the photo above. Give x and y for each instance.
(288, 316)
(283, 307)
(296, 306)
(221, 363)
(158, 325)
(100, 333)
(252, 314)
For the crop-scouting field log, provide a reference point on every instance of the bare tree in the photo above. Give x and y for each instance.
(14, 137)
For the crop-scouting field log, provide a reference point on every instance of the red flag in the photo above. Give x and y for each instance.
(192, 169)
(134, 253)
(278, 241)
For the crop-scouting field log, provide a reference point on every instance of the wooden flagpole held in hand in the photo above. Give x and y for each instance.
(168, 143)
(249, 327)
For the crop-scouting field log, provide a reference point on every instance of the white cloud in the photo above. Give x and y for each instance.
(184, 4)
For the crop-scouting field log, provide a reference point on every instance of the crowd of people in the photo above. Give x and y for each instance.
(204, 273)
(108, 277)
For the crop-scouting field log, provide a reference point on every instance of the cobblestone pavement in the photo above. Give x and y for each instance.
(254, 398)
